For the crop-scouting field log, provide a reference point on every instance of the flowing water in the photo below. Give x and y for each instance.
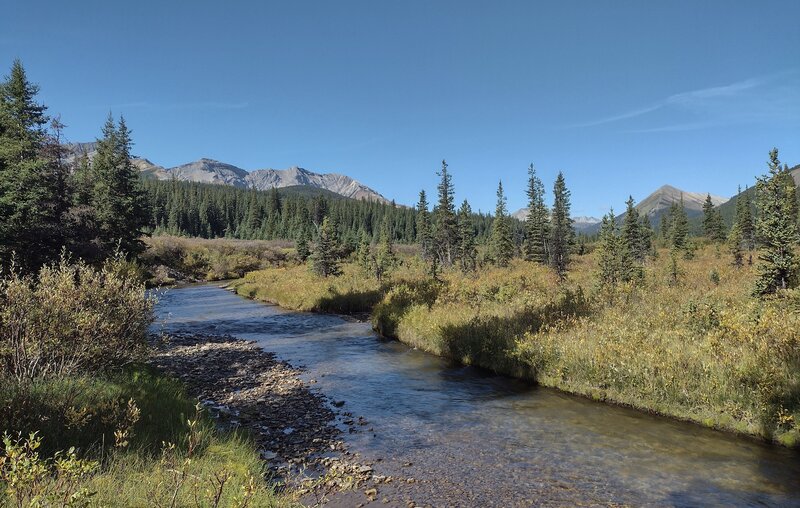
(476, 439)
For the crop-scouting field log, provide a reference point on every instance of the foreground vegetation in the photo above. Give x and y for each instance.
(698, 348)
(85, 422)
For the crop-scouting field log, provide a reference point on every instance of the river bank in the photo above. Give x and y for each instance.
(700, 351)
(298, 430)
(470, 438)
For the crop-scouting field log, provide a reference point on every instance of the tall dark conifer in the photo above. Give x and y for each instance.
(119, 203)
(424, 228)
(561, 234)
(776, 227)
(32, 176)
(502, 242)
(467, 252)
(633, 232)
(537, 222)
(444, 219)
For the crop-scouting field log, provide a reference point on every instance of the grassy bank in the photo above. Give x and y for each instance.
(162, 453)
(169, 259)
(85, 423)
(701, 350)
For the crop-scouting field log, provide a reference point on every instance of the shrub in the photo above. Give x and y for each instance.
(72, 318)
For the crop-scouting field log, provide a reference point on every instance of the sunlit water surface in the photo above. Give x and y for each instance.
(489, 438)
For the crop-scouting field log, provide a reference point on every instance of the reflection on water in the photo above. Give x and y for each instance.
(493, 439)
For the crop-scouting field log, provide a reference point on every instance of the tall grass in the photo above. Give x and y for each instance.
(168, 257)
(701, 350)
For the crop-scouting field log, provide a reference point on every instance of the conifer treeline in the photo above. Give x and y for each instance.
(211, 211)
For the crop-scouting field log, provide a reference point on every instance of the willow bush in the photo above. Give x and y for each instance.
(71, 318)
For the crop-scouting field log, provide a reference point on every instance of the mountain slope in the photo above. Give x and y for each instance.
(659, 202)
(220, 173)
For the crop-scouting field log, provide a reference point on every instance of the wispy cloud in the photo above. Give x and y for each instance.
(758, 98)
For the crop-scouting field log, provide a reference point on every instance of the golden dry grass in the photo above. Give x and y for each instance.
(700, 350)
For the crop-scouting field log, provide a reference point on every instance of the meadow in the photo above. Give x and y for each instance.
(699, 348)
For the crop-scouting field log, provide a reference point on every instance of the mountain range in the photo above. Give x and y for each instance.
(654, 206)
(216, 172)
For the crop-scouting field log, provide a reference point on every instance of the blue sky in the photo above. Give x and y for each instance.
(622, 96)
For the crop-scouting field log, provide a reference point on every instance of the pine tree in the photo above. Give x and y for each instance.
(444, 215)
(678, 226)
(502, 242)
(304, 236)
(119, 203)
(633, 232)
(713, 225)
(385, 259)
(325, 258)
(561, 233)
(32, 191)
(776, 227)
(646, 234)
(615, 261)
(364, 253)
(467, 252)
(424, 228)
(537, 222)
(744, 219)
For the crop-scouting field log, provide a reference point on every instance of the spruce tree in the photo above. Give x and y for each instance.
(502, 242)
(32, 194)
(646, 234)
(304, 236)
(467, 252)
(735, 241)
(633, 232)
(678, 226)
(744, 219)
(444, 219)
(364, 253)
(561, 232)
(424, 228)
(325, 258)
(615, 261)
(537, 222)
(119, 203)
(776, 227)
(713, 225)
(385, 259)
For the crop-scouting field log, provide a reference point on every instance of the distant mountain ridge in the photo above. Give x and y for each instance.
(654, 206)
(581, 223)
(215, 172)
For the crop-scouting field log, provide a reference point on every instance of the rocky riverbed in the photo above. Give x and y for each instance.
(298, 430)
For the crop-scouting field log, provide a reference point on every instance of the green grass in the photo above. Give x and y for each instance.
(85, 412)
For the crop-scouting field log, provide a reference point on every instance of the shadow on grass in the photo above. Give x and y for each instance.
(350, 302)
(85, 412)
(490, 341)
